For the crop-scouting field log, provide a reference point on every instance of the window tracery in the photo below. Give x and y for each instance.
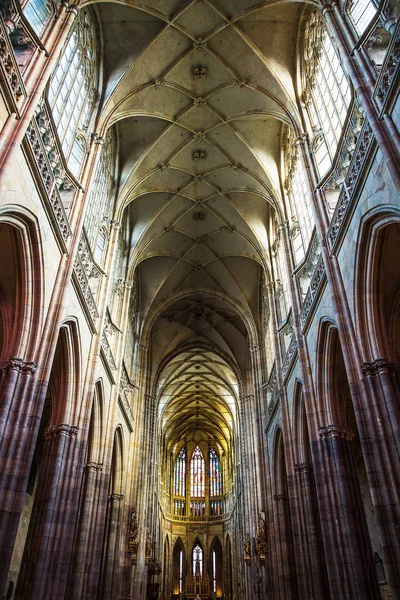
(99, 210)
(38, 13)
(327, 94)
(180, 474)
(197, 470)
(197, 561)
(72, 88)
(215, 474)
(361, 13)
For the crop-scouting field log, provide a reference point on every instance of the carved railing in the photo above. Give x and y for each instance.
(126, 388)
(305, 272)
(202, 519)
(10, 72)
(351, 182)
(310, 300)
(105, 346)
(84, 288)
(48, 133)
(389, 74)
(350, 135)
(54, 204)
(289, 357)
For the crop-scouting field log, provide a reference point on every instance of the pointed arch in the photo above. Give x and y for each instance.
(216, 567)
(178, 567)
(21, 283)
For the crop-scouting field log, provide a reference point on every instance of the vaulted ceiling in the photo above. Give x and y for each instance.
(200, 93)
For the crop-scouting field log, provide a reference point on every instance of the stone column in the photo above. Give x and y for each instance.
(111, 567)
(86, 558)
(19, 421)
(284, 577)
(381, 381)
(350, 566)
(48, 550)
(310, 560)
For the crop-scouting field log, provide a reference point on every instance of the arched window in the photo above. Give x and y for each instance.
(197, 561)
(38, 13)
(100, 203)
(215, 474)
(299, 195)
(72, 86)
(197, 487)
(180, 474)
(327, 94)
(361, 13)
(214, 571)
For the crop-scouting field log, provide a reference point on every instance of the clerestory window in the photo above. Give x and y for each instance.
(327, 93)
(38, 13)
(72, 89)
(100, 201)
(197, 469)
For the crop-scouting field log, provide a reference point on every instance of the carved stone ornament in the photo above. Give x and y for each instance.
(375, 367)
(247, 553)
(133, 544)
(62, 429)
(19, 365)
(199, 155)
(147, 555)
(261, 539)
(199, 72)
(336, 431)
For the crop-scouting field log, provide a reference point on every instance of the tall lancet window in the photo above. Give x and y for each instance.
(197, 561)
(327, 94)
(72, 90)
(38, 13)
(197, 471)
(180, 473)
(215, 474)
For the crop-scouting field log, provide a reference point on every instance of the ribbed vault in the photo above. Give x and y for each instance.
(200, 93)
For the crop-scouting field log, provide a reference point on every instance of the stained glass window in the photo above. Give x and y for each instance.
(180, 571)
(197, 561)
(197, 471)
(214, 570)
(215, 474)
(180, 473)
(197, 509)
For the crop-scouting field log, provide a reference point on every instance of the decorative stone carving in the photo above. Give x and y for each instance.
(280, 498)
(303, 468)
(105, 346)
(247, 551)
(115, 497)
(8, 63)
(377, 366)
(261, 539)
(289, 357)
(133, 544)
(199, 135)
(19, 365)
(92, 466)
(199, 44)
(147, 554)
(62, 429)
(312, 293)
(351, 182)
(336, 431)
(199, 102)
(199, 72)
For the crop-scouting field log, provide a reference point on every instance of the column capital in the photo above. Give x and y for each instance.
(19, 365)
(303, 467)
(377, 366)
(280, 498)
(62, 429)
(336, 431)
(92, 466)
(116, 497)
